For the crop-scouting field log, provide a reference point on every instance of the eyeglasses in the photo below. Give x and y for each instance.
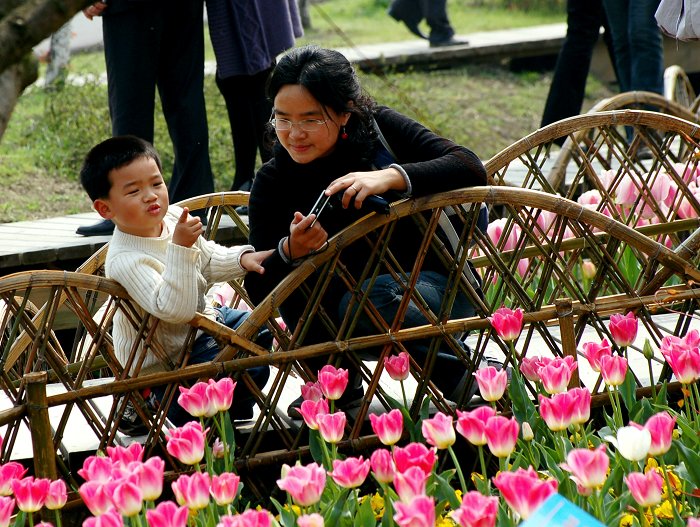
(308, 125)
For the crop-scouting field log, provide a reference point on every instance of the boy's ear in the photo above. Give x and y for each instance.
(103, 208)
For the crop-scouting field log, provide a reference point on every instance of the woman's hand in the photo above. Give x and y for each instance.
(359, 185)
(304, 239)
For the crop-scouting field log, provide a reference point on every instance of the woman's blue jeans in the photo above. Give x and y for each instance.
(386, 295)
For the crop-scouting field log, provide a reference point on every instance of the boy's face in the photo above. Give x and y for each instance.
(138, 199)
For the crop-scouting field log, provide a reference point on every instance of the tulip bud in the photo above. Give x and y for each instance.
(647, 350)
(528, 434)
(588, 269)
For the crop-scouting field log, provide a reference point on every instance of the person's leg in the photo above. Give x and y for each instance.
(131, 48)
(646, 47)
(181, 88)
(248, 113)
(617, 13)
(435, 14)
(386, 297)
(565, 98)
(409, 12)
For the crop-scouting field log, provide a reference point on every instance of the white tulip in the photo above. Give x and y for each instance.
(631, 442)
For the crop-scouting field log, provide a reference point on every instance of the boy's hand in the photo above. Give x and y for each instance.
(188, 229)
(252, 262)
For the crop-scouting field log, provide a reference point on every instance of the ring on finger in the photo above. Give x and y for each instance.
(354, 188)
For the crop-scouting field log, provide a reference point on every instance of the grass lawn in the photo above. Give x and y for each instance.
(483, 107)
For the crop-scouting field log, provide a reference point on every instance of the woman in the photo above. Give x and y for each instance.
(327, 139)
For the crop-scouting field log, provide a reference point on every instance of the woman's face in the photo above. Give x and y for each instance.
(294, 103)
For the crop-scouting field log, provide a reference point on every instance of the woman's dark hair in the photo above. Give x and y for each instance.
(333, 82)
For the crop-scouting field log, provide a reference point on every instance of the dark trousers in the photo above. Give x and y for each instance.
(161, 45)
(433, 11)
(565, 98)
(249, 111)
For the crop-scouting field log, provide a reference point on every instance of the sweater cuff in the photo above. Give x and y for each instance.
(409, 188)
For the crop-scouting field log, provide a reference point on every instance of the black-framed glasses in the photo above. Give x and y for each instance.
(308, 125)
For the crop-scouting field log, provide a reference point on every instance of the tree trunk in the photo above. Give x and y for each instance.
(29, 23)
(13, 81)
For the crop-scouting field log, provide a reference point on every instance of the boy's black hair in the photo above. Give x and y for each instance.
(111, 154)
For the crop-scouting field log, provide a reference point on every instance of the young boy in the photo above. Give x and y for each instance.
(158, 255)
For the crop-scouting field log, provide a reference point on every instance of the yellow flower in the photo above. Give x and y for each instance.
(444, 522)
(627, 520)
(664, 510)
(377, 502)
(458, 493)
(477, 477)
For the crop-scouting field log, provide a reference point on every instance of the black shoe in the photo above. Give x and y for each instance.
(352, 398)
(243, 411)
(130, 423)
(448, 42)
(242, 210)
(103, 228)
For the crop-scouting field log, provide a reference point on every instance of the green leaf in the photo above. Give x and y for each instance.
(287, 516)
(444, 490)
(523, 407)
(19, 519)
(689, 435)
(333, 514)
(628, 391)
(365, 514)
(692, 463)
(316, 447)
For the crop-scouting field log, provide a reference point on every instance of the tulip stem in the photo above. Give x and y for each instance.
(651, 379)
(58, 517)
(669, 490)
(695, 396)
(403, 393)
(462, 482)
(224, 440)
(482, 461)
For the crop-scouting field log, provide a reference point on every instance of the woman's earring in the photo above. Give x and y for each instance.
(343, 133)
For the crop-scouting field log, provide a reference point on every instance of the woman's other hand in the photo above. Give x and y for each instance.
(359, 185)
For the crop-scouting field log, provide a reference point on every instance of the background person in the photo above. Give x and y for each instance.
(326, 140)
(411, 12)
(149, 45)
(247, 36)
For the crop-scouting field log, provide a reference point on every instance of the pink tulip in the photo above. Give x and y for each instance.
(495, 231)
(224, 488)
(472, 425)
(333, 381)
(529, 367)
(192, 490)
(590, 197)
(331, 426)
(167, 514)
(95, 497)
(220, 394)
(7, 507)
(580, 405)
(304, 484)
(683, 358)
(492, 383)
(30, 493)
(557, 411)
(476, 510)
(627, 191)
(523, 491)
(623, 328)
(248, 518)
(350, 472)
(96, 468)
(57, 495)
(187, 443)
(613, 369)
(9, 472)
(502, 435)
(556, 375)
(382, 465)
(508, 323)
(414, 454)
(588, 269)
(410, 484)
(150, 478)
(660, 426)
(419, 513)
(311, 391)
(119, 454)
(588, 468)
(218, 450)
(693, 522)
(310, 520)
(195, 400)
(438, 431)
(388, 427)
(110, 518)
(646, 489)
(595, 351)
(397, 366)
(310, 411)
(127, 498)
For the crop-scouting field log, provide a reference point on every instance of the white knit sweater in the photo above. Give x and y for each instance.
(169, 282)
